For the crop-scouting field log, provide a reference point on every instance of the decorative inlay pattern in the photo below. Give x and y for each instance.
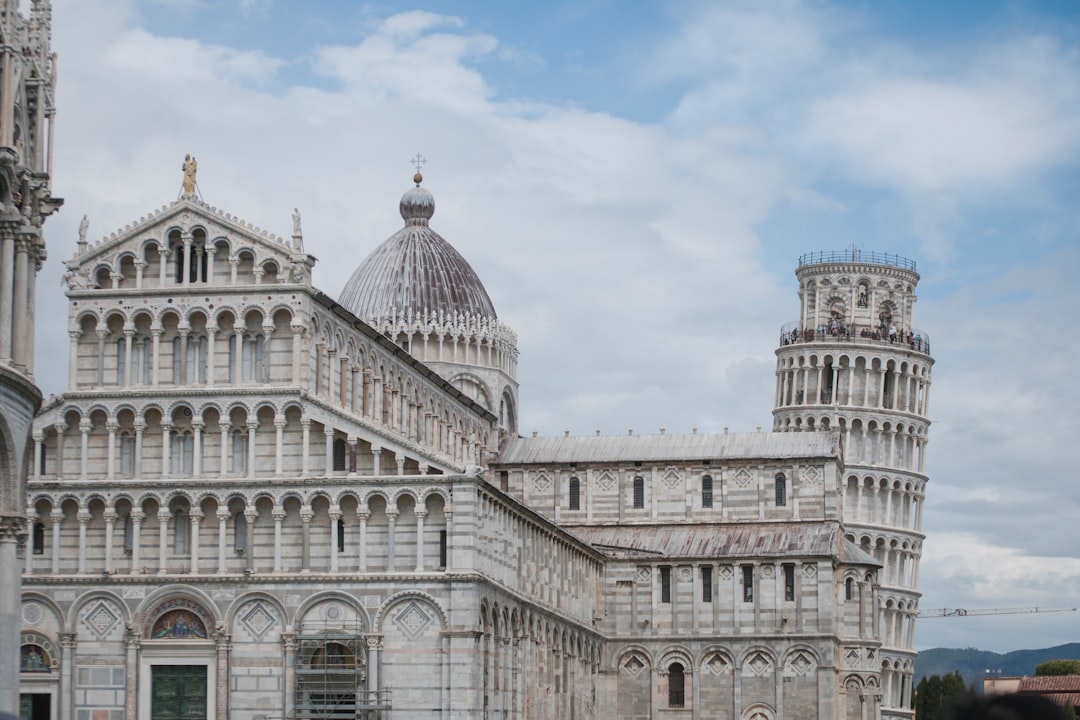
(332, 612)
(605, 481)
(634, 665)
(726, 571)
(32, 614)
(258, 620)
(809, 570)
(672, 478)
(800, 663)
(643, 574)
(412, 620)
(767, 571)
(686, 574)
(100, 619)
(541, 481)
(810, 475)
(717, 665)
(743, 477)
(759, 664)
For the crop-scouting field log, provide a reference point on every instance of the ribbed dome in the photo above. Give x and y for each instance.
(415, 270)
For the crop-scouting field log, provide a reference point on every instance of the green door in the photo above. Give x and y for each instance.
(178, 692)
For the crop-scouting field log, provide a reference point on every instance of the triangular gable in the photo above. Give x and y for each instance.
(188, 213)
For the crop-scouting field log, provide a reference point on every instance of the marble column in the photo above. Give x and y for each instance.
(223, 530)
(136, 539)
(420, 515)
(196, 518)
(279, 516)
(163, 541)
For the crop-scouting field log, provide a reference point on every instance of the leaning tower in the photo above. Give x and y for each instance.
(854, 362)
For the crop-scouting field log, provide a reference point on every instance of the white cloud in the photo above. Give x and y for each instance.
(626, 254)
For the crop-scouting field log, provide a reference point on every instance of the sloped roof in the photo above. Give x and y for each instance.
(734, 540)
(416, 270)
(670, 448)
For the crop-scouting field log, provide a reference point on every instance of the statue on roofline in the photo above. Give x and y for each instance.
(190, 167)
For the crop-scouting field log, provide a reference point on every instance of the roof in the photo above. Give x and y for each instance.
(737, 540)
(415, 270)
(1050, 683)
(670, 448)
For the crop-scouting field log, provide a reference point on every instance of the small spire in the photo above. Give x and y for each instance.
(419, 161)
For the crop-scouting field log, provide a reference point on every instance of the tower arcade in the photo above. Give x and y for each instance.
(854, 362)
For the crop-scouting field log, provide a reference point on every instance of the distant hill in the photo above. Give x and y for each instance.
(973, 663)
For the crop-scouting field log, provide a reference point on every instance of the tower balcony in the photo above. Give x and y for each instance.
(855, 255)
(911, 339)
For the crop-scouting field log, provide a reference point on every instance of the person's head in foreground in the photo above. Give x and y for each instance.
(1019, 706)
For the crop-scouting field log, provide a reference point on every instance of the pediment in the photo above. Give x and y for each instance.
(186, 215)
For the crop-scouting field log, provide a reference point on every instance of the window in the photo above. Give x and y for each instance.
(341, 535)
(182, 458)
(127, 454)
(177, 368)
(39, 539)
(706, 584)
(748, 583)
(849, 589)
(639, 492)
(442, 549)
(121, 357)
(252, 357)
(781, 490)
(339, 455)
(665, 584)
(239, 533)
(239, 452)
(141, 361)
(706, 491)
(129, 535)
(676, 686)
(789, 581)
(575, 494)
(180, 531)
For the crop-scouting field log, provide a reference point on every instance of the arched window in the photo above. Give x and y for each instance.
(253, 358)
(182, 458)
(339, 455)
(341, 535)
(180, 531)
(239, 452)
(195, 371)
(129, 535)
(39, 538)
(240, 533)
(781, 490)
(121, 356)
(676, 686)
(706, 491)
(639, 492)
(127, 454)
(575, 494)
(141, 360)
(849, 589)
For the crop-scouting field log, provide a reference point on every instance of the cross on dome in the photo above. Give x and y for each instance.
(419, 161)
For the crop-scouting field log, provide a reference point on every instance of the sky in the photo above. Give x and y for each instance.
(634, 183)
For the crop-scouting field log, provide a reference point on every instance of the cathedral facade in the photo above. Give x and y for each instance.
(255, 501)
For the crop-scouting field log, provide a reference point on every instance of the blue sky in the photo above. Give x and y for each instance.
(634, 182)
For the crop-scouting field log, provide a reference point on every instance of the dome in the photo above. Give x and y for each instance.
(415, 270)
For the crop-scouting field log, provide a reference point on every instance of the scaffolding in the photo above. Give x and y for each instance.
(331, 679)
